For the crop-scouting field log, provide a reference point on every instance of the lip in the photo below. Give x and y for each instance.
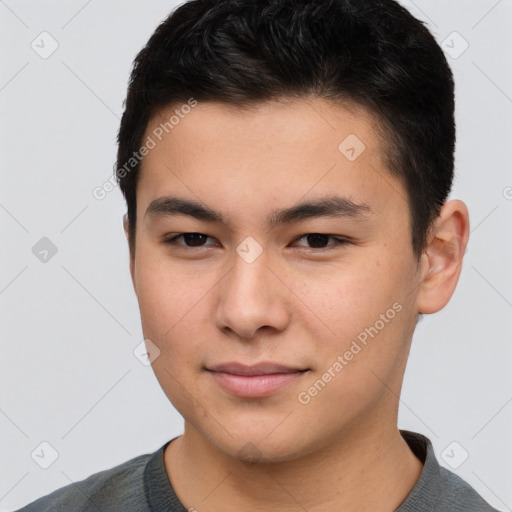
(255, 381)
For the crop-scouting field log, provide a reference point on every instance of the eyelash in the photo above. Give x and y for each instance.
(337, 241)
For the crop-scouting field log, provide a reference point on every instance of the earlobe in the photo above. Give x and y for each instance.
(443, 256)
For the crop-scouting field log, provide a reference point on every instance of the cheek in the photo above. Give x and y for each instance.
(170, 301)
(172, 314)
(361, 312)
(348, 298)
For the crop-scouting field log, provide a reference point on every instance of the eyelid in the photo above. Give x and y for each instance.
(171, 239)
(338, 241)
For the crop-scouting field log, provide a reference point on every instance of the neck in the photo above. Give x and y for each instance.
(358, 470)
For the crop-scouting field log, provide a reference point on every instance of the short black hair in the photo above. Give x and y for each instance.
(372, 53)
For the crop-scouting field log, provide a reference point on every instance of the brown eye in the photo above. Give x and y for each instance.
(317, 241)
(189, 239)
(321, 241)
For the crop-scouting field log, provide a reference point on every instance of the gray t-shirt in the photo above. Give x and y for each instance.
(141, 484)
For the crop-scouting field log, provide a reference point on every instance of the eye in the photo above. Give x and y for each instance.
(316, 241)
(320, 241)
(189, 239)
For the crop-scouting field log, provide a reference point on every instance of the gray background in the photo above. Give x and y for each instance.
(69, 324)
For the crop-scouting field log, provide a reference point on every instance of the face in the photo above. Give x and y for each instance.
(274, 273)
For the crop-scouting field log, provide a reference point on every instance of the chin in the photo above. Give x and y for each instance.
(258, 443)
(259, 452)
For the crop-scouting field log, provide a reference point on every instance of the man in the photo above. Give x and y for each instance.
(286, 166)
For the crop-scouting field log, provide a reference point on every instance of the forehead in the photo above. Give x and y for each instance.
(289, 121)
(273, 152)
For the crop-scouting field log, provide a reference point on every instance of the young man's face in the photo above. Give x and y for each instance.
(338, 317)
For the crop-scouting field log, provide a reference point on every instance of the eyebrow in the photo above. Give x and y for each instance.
(331, 206)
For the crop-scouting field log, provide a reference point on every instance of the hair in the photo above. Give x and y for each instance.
(370, 53)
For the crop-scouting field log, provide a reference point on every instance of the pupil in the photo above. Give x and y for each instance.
(316, 240)
(195, 238)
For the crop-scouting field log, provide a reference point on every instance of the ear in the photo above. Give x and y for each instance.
(127, 234)
(442, 258)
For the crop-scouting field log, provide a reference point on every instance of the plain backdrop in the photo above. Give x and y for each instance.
(69, 316)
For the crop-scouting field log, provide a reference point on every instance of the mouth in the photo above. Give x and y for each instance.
(256, 381)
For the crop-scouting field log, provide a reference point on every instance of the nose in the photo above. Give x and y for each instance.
(252, 298)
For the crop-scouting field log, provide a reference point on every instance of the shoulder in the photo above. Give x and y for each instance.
(438, 488)
(457, 492)
(117, 488)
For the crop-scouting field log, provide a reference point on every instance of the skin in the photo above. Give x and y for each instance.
(295, 305)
